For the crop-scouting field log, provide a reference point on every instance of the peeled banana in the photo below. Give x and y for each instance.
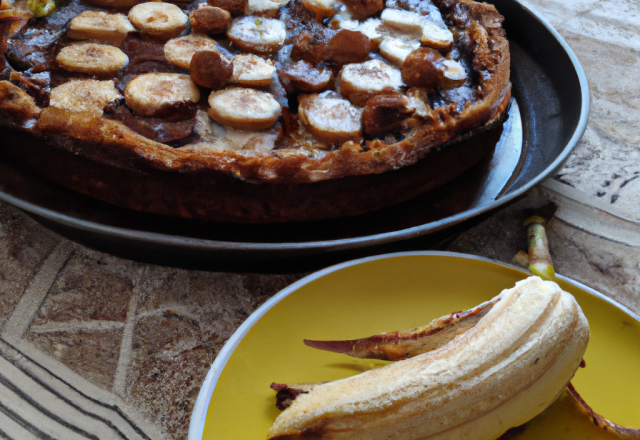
(498, 372)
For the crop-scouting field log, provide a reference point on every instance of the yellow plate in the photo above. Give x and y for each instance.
(394, 292)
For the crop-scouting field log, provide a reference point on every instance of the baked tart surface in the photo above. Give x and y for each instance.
(251, 111)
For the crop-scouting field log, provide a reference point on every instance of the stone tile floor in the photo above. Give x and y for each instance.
(130, 343)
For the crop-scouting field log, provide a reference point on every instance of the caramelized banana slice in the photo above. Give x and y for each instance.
(413, 23)
(209, 20)
(370, 27)
(98, 25)
(423, 68)
(88, 96)
(251, 70)
(244, 109)
(320, 8)
(454, 74)
(347, 47)
(160, 94)
(399, 345)
(364, 8)
(306, 77)
(257, 34)
(97, 59)
(359, 82)
(210, 69)
(397, 50)
(179, 51)
(160, 20)
(331, 119)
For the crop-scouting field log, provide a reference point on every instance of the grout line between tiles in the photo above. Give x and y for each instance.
(37, 291)
(120, 380)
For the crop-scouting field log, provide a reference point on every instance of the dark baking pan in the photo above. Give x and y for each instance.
(546, 119)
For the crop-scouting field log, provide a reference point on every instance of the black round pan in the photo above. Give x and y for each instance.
(551, 95)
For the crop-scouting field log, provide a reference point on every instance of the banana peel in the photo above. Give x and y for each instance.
(570, 418)
(569, 414)
(494, 373)
(401, 345)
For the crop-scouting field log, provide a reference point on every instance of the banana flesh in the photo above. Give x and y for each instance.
(498, 374)
(92, 58)
(159, 20)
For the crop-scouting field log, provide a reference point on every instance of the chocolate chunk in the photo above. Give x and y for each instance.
(156, 129)
(234, 7)
(385, 113)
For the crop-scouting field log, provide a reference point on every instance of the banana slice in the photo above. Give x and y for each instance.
(436, 37)
(255, 6)
(160, 20)
(397, 50)
(370, 27)
(179, 51)
(160, 94)
(408, 22)
(244, 109)
(89, 96)
(97, 59)
(331, 119)
(229, 139)
(251, 70)
(413, 23)
(320, 8)
(359, 82)
(209, 20)
(419, 101)
(454, 74)
(98, 25)
(257, 34)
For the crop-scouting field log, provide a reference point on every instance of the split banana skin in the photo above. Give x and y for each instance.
(469, 375)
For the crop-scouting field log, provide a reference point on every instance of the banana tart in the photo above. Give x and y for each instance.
(250, 110)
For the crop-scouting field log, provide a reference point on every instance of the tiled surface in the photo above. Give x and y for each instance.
(93, 354)
(90, 287)
(141, 338)
(23, 245)
(182, 320)
(605, 35)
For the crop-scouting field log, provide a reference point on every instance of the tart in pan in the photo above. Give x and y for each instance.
(253, 111)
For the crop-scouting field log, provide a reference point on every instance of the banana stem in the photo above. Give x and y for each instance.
(539, 257)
